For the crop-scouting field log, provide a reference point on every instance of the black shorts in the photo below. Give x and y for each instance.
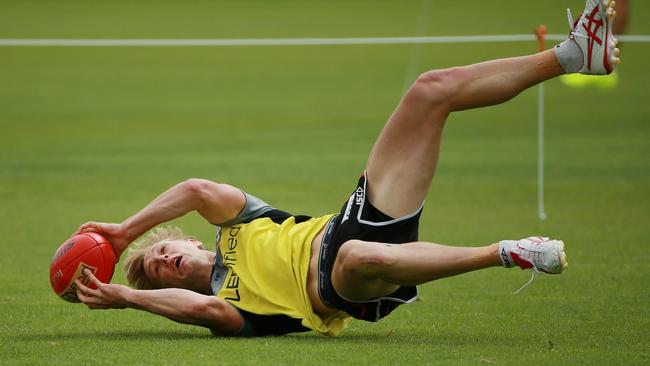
(360, 220)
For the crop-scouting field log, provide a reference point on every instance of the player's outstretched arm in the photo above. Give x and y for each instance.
(216, 202)
(180, 305)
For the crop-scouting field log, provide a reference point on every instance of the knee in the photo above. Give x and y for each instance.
(360, 258)
(436, 87)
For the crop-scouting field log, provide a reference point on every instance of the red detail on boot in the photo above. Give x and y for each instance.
(593, 33)
(522, 263)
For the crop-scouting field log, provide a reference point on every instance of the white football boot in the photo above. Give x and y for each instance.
(537, 253)
(592, 33)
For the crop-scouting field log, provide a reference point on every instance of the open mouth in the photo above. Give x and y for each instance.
(177, 262)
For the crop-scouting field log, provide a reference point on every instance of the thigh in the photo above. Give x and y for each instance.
(403, 160)
(367, 230)
(355, 272)
(360, 220)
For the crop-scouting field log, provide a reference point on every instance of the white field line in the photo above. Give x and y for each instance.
(287, 41)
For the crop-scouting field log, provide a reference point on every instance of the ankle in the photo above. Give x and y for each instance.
(569, 56)
(504, 252)
(493, 254)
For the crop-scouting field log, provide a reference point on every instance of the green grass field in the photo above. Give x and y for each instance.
(96, 133)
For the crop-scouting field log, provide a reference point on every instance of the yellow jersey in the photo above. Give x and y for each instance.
(267, 265)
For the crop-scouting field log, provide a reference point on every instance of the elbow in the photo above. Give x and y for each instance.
(204, 306)
(209, 311)
(201, 189)
(199, 185)
(216, 202)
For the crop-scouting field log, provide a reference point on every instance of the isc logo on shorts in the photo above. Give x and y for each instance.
(359, 196)
(356, 198)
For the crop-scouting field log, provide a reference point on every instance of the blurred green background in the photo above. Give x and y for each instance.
(95, 133)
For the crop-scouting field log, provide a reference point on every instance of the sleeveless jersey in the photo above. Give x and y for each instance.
(267, 265)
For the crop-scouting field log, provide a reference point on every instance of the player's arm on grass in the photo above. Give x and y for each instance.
(180, 305)
(216, 202)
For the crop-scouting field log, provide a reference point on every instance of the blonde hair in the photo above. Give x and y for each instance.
(134, 263)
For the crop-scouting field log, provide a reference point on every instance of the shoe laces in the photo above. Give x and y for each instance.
(572, 25)
(533, 271)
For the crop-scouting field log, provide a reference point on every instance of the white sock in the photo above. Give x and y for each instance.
(569, 55)
(505, 246)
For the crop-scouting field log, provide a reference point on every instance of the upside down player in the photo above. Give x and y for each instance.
(275, 273)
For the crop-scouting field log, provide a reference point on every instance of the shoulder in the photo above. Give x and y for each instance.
(255, 208)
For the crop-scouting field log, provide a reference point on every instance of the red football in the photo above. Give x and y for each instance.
(85, 250)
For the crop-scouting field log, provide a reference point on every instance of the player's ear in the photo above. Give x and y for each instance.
(196, 243)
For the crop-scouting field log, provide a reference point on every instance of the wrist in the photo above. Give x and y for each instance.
(127, 232)
(130, 298)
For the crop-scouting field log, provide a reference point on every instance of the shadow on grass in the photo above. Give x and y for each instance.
(181, 335)
(113, 336)
(455, 339)
(397, 338)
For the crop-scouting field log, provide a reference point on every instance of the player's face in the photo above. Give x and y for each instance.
(176, 263)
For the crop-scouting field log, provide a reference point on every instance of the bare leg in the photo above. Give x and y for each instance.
(403, 161)
(365, 270)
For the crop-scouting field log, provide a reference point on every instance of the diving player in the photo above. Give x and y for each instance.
(276, 273)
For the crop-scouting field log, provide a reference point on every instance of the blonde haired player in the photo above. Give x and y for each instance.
(276, 273)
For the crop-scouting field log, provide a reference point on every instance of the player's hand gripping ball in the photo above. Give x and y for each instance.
(85, 250)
